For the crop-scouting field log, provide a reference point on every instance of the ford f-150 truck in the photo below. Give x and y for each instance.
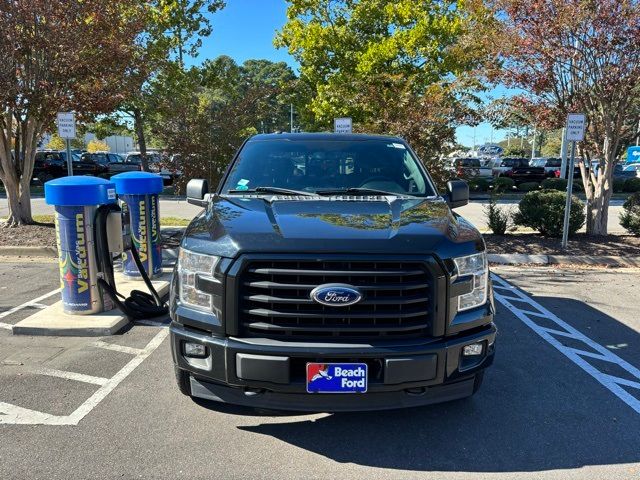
(326, 273)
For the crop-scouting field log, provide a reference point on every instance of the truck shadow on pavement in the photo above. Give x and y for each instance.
(536, 411)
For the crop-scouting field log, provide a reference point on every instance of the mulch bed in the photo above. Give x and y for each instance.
(580, 244)
(44, 235)
(38, 235)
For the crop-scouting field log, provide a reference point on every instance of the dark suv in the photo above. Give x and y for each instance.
(326, 273)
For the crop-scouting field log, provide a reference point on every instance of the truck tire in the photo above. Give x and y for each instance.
(184, 384)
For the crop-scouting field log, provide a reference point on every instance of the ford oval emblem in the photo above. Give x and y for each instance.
(336, 295)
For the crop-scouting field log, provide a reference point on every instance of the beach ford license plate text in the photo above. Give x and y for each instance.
(336, 377)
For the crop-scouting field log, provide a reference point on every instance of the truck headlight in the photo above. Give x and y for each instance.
(191, 264)
(473, 265)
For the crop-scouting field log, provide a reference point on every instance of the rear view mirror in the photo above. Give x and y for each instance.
(197, 189)
(457, 193)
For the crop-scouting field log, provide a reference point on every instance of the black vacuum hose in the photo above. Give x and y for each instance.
(140, 305)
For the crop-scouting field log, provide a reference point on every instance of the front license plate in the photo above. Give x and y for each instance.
(336, 377)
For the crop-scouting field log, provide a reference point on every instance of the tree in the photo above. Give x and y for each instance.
(552, 144)
(175, 30)
(49, 50)
(219, 105)
(56, 142)
(382, 62)
(97, 146)
(575, 56)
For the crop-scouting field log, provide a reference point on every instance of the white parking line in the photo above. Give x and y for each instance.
(576, 355)
(30, 303)
(79, 377)
(116, 348)
(12, 414)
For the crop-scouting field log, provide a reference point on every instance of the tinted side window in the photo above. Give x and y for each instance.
(100, 158)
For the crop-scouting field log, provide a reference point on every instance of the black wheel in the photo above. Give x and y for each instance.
(477, 382)
(183, 381)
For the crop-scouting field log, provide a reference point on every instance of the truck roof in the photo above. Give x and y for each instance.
(325, 136)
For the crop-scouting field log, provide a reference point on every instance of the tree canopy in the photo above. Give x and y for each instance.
(575, 56)
(49, 51)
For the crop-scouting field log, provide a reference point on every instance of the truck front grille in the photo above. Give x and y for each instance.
(274, 299)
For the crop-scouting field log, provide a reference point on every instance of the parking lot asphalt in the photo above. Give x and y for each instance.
(560, 405)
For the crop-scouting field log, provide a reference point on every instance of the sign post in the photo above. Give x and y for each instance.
(67, 130)
(574, 132)
(342, 125)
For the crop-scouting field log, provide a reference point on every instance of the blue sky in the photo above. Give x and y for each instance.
(245, 29)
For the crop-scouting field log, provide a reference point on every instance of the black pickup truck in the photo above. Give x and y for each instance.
(519, 170)
(326, 273)
(110, 163)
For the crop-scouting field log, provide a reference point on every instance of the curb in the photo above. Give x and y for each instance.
(18, 251)
(523, 258)
(497, 258)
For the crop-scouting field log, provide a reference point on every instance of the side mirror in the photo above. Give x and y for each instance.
(457, 193)
(197, 189)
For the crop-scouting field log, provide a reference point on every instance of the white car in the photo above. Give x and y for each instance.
(550, 164)
(469, 168)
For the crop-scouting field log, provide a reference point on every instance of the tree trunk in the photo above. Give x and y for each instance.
(142, 143)
(17, 178)
(598, 191)
(598, 214)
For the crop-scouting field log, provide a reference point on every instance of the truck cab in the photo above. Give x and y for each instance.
(327, 273)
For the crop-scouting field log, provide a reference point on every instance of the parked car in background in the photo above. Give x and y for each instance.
(83, 165)
(115, 163)
(49, 164)
(469, 168)
(519, 170)
(632, 167)
(156, 165)
(550, 164)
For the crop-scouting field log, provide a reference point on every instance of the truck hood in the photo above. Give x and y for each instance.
(232, 225)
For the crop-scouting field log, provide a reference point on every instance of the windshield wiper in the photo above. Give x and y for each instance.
(359, 190)
(283, 191)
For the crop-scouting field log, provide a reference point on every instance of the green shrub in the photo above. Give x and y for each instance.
(503, 184)
(478, 185)
(630, 215)
(544, 212)
(578, 185)
(497, 219)
(559, 184)
(618, 185)
(528, 186)
(632, 185)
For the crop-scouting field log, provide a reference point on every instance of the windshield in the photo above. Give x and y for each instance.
(538, 162)
(317, 165)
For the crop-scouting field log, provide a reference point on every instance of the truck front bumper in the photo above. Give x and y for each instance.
(270, 374)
